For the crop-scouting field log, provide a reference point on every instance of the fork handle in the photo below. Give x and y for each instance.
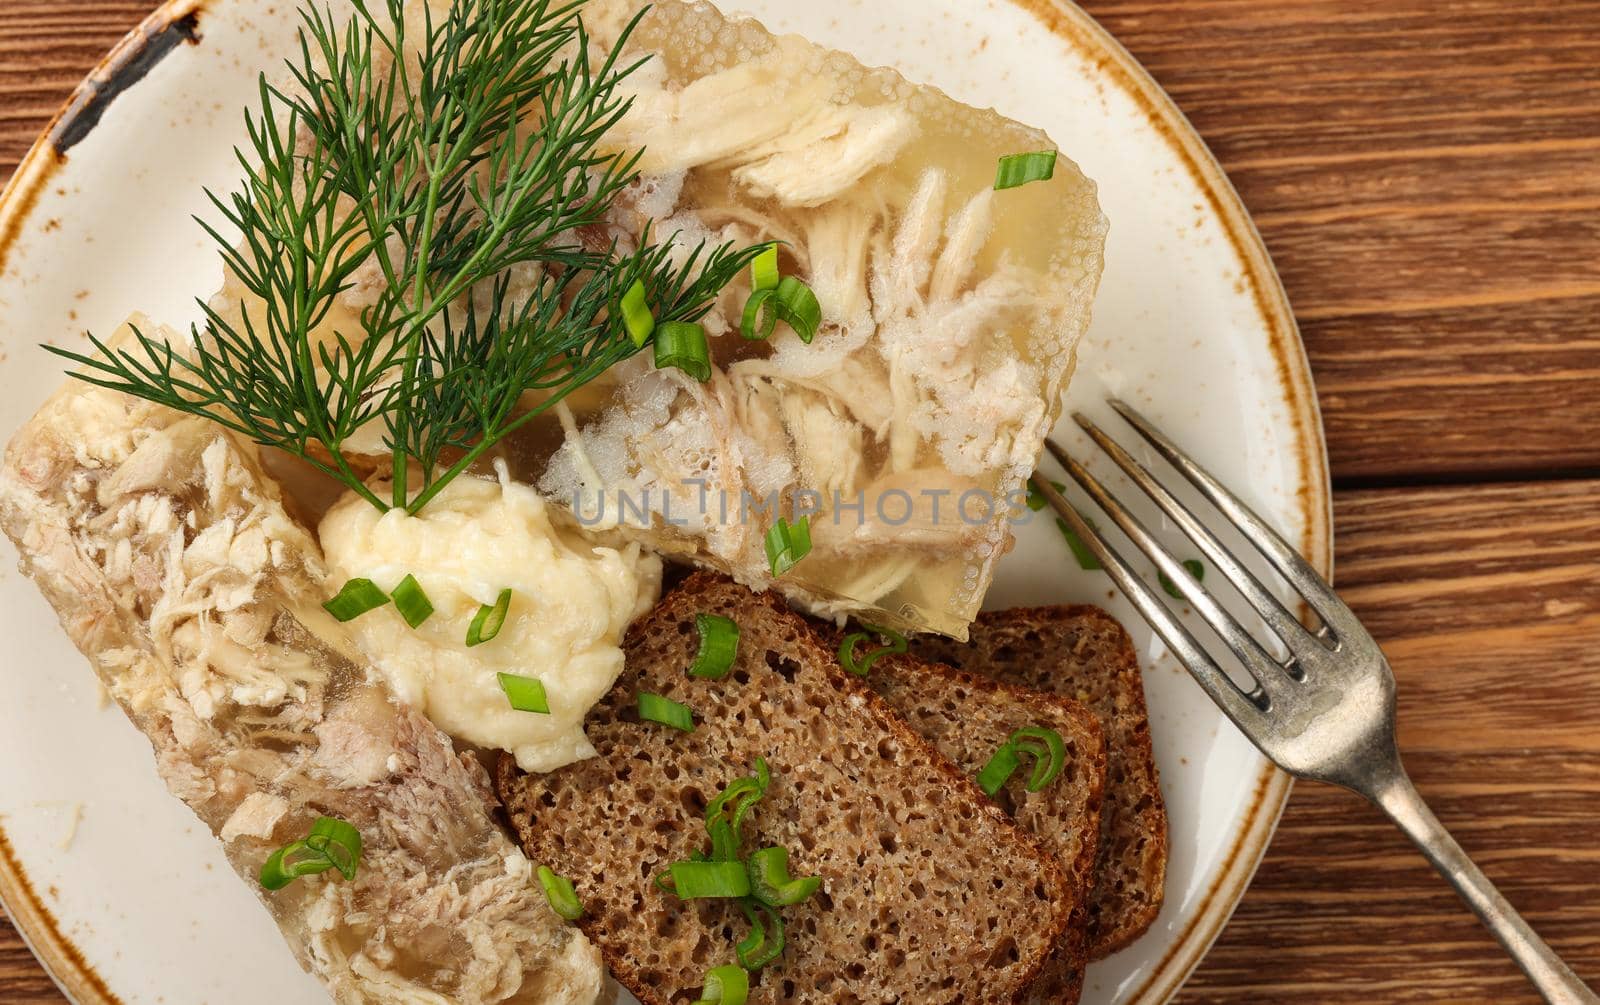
(1555, 980)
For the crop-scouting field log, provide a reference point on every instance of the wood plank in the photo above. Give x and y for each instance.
(1487, 601)
(46, 47)
(1425, 176)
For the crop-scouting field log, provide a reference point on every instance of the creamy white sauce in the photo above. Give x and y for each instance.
(571, 602)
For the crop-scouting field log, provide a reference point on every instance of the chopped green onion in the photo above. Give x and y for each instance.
(719, 644)
(412, 603)
(770, 882)
(289, 863)
(709, 880)
(654, 708)
(1193, 566)
(757, 950)
(795, 305)
(999, 770)
(486, 624)
(357, 598)
(683, 344)
(526, 694)
(331, 844)
(798, 308)
(636, 316)
(1045, 746)
(339, 841)
(729, 985)
(1019, 169)
(1080, 551)
(1036, 499)
(788, 543)
(743, 794)
(561, 894)
(764, 269)
(758, 321)
(863, 666)
(1048, 750)
(724, 841)
(791, 302)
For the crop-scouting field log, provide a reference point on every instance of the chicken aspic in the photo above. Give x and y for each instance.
(174, 567)
(950, 314)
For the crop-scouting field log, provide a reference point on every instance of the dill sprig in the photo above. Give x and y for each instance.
(439, 165)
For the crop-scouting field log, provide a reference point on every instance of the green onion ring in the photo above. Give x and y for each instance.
(729, 985)
(797, 307)
(724, 841)
(719, 645)
(1035, 498)
(339, 841)
(863, 666)
(289, 863)
(757, 950)
(737, 789)
(791, 302)
(654, 708)
(1080, 551)
(331, 844)
(764, 269)
(489, 620)
(771, 883)
(683, 344)
(526, 694)
(356, 598)
(710, 880)
(1194, 567)
(561, 894)
(999, 770)
(787, 543)
(758, 321)
(1048, 750)
(411, 602)
(1020, 169)
(636, 316)
(743, 794)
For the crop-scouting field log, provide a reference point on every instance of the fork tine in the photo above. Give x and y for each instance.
(1260, 663)
(1244, 709)
(1296, 570)
(1283, 624)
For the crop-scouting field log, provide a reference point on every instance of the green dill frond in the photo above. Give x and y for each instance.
(433, 166)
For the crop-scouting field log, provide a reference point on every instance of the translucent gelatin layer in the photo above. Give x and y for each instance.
(905, 431)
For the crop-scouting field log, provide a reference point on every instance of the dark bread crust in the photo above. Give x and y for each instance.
(930, 895)
(1081, 652)
(967, 717)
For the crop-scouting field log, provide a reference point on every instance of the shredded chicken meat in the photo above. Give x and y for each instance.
(176, 569)
(950, 316)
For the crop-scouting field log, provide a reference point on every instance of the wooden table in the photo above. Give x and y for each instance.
(1427, 175)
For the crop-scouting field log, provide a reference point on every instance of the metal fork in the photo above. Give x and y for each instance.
(1327, 711)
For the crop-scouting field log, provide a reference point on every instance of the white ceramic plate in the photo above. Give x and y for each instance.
(125, 896)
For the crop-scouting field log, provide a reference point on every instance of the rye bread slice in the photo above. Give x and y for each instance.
(967, 717)
(930, 893)
(1082, 652)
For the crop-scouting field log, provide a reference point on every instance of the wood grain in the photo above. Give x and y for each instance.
(1427, 175)
(1487, 601)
